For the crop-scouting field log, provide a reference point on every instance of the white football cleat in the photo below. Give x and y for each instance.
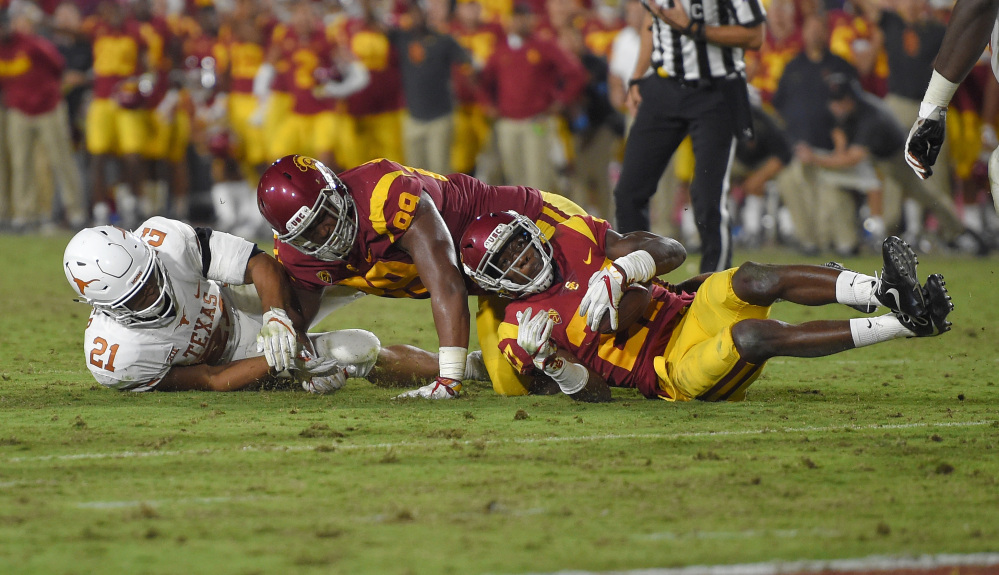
(437, 389)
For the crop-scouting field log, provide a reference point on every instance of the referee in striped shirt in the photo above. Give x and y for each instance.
(689, 79)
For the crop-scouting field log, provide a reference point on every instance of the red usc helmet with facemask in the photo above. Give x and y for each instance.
(303, 199)
(483, 254)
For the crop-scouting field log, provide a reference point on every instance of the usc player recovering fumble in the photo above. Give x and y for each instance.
(706, 338)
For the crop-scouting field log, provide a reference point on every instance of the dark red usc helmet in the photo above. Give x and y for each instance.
(297, 195)
(486, 239)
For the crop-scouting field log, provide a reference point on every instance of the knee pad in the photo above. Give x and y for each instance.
(355, 349)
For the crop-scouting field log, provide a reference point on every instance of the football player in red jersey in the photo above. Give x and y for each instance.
(390, 230)
(707, 338)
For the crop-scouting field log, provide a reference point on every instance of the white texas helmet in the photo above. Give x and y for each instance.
(108, 266)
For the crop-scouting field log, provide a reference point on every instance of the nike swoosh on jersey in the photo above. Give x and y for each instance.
(589, 258)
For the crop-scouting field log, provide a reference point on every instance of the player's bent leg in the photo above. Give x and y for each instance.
(759, 340)
(409, 366)
(713, 370)
(506, 380)
(763, 284)
(403, 366)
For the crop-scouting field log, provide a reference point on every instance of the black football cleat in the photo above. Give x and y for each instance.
(898, 287)
(938, 305)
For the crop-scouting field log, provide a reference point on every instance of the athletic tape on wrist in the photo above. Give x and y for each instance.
(938, 93)
(570, 377)
(451, 361)
(638, 266)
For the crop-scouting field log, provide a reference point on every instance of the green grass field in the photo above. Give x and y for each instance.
(887, 450)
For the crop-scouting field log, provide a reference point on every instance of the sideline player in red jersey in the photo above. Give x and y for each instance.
(390, 230)
(707, 338)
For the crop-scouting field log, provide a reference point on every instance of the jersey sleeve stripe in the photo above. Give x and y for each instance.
(578, 224)
(378, 199)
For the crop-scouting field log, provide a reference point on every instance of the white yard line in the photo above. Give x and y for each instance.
(873, 563)
(534, 440)
(157, 502)
(746, 534)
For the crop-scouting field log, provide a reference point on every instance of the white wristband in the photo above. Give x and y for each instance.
(452, 362)
(939, 92)
(570, 377)
(638, 266)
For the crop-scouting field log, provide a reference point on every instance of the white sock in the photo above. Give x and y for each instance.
(856, 289)
(868, 331)
(752, 215)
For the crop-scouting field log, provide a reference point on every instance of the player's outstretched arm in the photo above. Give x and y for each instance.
(967, 35)
(284, 329)
(964, 41)
(430, 245)
(271, 281)
(232, 376)
(668, 253)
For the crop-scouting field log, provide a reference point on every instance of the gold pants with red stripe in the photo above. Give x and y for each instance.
(701, 361)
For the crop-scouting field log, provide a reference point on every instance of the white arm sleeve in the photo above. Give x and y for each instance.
(355, 79)
(262, 81)
(229, 256)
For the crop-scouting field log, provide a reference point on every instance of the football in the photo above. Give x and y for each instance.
(633, 303)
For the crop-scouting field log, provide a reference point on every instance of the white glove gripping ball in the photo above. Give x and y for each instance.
(277, 340)
(603, 296)
(534, 336)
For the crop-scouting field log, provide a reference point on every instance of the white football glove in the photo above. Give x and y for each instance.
(607, 285)
(319, 375)
(307, 366)
(277, 340)
(603, 296)
(441, 388)
(534, 336)
(325, 384)
(925, 139)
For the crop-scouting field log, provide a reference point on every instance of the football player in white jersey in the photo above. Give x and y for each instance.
(973, 23)
(170, 314)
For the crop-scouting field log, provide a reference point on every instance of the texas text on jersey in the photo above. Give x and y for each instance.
(386, 195)
(207, 325)
(624, 359)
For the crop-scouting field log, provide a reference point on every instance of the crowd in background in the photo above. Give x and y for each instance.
(113, 111)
